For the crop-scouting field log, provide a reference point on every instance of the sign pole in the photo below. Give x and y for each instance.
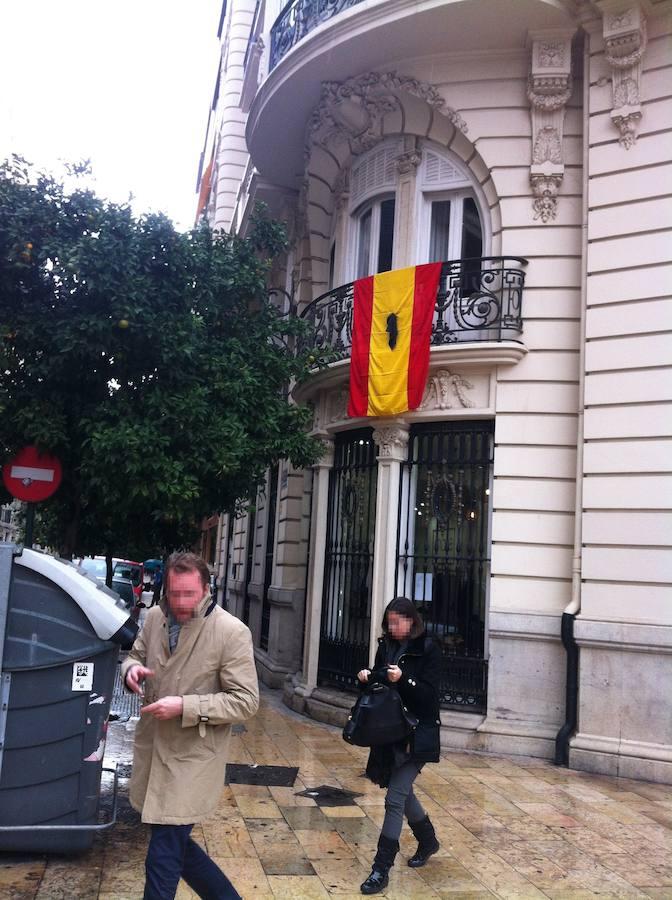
(30, 521)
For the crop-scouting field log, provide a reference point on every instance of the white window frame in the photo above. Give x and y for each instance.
(373, 204)
(458, 188)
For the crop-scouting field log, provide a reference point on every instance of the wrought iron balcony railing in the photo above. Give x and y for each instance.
(299, 18)
(479, 299)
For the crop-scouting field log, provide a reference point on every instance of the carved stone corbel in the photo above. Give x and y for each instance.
(549, 88)
(392, 441)
(408, 162)
(624, 30)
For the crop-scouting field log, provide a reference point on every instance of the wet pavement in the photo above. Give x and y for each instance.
(510, 827)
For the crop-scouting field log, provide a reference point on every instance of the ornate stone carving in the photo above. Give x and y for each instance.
(547, 146)
(297, 222)
(338, 405)
(552, 54)
(545, 189)
(352, 111)
(446, 390)
(549, 87)
(391, 441)
(624, 33)
(326, 461)
(341, 190)
(408, 161)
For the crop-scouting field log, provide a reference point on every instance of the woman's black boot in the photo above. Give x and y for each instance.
(427, 842)
(382, 863)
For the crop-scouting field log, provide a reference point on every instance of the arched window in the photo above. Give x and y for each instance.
(373, 181)
(447, 219)
(450, 225)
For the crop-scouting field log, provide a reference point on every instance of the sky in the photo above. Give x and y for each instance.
(127, 85)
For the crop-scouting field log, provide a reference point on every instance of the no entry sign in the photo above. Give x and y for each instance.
(31, 475)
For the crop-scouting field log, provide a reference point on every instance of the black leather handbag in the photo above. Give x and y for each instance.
(379, 717)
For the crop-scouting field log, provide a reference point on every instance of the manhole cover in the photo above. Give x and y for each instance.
(326, 795)
(269, 776)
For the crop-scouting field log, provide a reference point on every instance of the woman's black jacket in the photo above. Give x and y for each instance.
(418, 686)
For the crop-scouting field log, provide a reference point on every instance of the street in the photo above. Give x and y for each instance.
(509, 827)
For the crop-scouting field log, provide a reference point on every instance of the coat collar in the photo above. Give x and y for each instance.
(416, 646)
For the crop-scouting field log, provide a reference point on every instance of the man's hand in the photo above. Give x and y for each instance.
(165, 708)
(363, 676)
(135, 676)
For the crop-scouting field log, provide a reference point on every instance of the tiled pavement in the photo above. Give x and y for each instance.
(509, 827)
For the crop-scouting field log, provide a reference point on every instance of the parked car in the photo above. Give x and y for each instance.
(134, 571)
(125, 588)
(96, 567)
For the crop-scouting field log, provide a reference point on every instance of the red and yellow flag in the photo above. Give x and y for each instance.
(391, 328)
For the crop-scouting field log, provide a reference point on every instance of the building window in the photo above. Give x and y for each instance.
(450, 225)
(443, 558)
(271, 508)
(375, 237)
(346, 603)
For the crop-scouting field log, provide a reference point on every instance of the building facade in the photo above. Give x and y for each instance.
(525, 505)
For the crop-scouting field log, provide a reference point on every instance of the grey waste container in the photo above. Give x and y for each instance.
(60, 635)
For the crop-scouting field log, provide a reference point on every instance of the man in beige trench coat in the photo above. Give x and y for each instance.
(196, 664)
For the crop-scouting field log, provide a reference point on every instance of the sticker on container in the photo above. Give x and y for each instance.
(82, 676)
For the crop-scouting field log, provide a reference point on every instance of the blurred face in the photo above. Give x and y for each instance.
(399, 626)
(184, 592)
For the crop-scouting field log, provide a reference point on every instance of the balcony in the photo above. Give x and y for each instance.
(318, 41)
(298, 19)
(479, 301)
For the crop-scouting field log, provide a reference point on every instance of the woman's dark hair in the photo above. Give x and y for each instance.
(404, 607)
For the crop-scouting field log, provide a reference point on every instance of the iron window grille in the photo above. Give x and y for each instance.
(443, 556)
(346, 604)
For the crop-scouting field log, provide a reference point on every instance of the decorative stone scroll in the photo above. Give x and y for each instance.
(446, 390)
(624, 30)
(352, 111)
(549, 88)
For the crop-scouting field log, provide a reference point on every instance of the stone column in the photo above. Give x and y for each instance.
(405, 233)
(318, 544)
(392, 442)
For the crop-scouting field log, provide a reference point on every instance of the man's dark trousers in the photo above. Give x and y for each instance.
(172, 855)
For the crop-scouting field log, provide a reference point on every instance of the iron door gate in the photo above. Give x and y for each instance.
(346, 600)
(443, 560)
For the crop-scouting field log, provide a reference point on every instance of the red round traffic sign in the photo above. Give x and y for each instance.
(31, 475)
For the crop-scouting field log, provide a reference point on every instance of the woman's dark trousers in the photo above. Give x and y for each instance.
(172, 854)
(401, 800)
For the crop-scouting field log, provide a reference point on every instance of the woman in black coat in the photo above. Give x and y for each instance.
(411, 663)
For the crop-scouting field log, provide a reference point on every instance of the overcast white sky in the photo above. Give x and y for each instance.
(126, 84)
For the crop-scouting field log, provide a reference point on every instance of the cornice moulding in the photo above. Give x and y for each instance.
(475, 355)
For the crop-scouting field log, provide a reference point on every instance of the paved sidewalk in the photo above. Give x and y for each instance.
(509, 827)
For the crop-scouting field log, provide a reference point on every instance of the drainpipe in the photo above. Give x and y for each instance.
(569, 615)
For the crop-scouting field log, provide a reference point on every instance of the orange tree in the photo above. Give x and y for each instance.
(150, 361)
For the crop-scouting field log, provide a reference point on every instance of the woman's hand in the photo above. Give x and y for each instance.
(393, 673)
(363, 675)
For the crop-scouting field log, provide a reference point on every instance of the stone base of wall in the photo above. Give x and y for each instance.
(626, 759)
(269, 672)
(459, 730)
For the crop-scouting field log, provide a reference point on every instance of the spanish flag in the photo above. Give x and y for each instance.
(392, 323)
